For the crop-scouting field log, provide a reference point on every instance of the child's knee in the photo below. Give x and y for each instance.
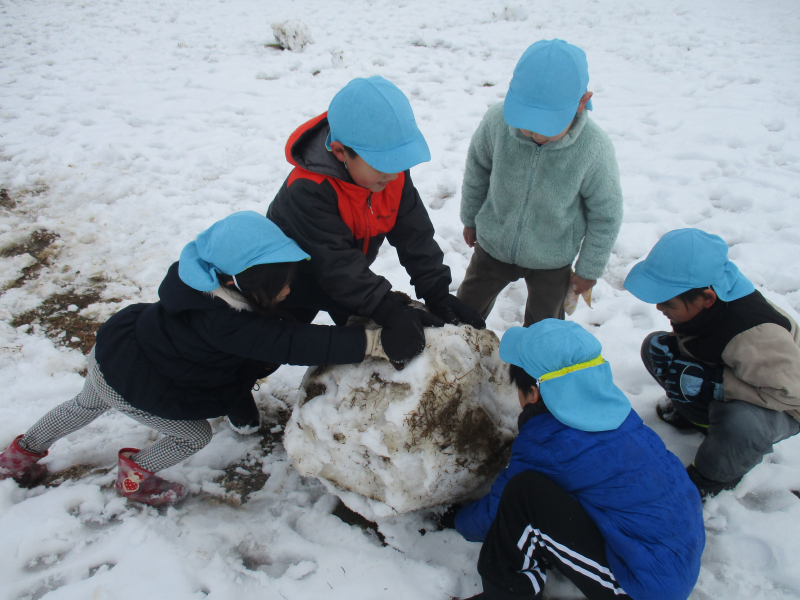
(204, 434)
(744, 424)
(198, 436)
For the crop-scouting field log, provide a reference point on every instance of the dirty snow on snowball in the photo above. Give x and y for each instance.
(128, 127)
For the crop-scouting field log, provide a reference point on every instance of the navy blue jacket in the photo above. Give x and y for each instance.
(192, 356)
(634, 489)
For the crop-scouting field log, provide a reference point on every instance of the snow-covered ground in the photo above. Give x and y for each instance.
(126, 127)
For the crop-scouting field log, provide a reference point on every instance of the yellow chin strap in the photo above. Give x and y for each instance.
(571, 369)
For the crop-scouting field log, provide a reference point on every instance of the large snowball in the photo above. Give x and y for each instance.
(388, 441)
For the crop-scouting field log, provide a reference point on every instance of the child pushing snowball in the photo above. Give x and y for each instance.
(731, 364)
(590, 490)
(541, 187)
(350, 190)
(193, 355)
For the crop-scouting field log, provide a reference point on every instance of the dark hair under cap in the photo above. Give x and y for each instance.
(521, 378)
(261, 284)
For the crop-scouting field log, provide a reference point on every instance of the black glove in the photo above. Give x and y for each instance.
(245, 415)
(663, 350)
(395, 301)
(402, 336)
(452, 310)
(688, 381)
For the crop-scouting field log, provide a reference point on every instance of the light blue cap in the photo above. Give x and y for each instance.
(685, 259)
(548, 83)
(581, 396)
(374, 118)
(230, 246)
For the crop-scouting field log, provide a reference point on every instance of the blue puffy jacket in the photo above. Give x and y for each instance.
(633, 488)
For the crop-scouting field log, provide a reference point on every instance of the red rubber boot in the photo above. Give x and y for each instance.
(141, 485)
(21, 465)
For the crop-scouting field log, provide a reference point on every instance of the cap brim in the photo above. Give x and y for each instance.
(544, 122)
(647, 290)
(399, 159)
(509, 346)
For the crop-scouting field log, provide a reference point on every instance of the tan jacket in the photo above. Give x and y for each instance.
(762, 366)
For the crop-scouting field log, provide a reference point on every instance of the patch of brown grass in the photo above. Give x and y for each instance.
(38, 246)
(65, 326)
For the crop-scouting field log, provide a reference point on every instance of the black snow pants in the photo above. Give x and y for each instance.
(539, 526)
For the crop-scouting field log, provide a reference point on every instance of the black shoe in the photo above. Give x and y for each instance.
(245, 418)
(709, 488)
(671, 416)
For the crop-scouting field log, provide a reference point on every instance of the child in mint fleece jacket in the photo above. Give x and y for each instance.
(541, 187)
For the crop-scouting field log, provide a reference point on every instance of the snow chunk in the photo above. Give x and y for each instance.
(292, 35)
(514, 12)
(389, 441)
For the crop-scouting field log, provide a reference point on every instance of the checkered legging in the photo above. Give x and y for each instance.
(181, 438)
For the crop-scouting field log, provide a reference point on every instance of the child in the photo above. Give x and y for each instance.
(193, 355)
(541, 185)
(730, 366)
(590, 490)
(350, 189)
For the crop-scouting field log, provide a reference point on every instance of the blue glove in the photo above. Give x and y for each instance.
(663, 350)
(688, 381)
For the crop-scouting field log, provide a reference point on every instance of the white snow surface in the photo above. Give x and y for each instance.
(389, 441)
(129, 127)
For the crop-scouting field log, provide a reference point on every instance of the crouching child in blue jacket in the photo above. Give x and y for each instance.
(193, 355)
(590, 490)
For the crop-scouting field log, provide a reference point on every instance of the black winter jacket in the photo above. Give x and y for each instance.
(342, 225)
(193, 356)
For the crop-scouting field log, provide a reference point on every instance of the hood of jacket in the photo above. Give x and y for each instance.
(306, 149)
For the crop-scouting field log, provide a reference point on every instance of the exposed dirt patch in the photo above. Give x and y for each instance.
(244, 478)
(7, 201)
(314, 390)
(73, 473)
(38, 241)
(38, 246)
(353, 518)
(59, 319)
(441, 419)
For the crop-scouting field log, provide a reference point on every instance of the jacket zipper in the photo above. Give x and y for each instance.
(366, 220)
(515, 247)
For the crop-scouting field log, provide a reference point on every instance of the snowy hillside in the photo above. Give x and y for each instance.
(127, 127)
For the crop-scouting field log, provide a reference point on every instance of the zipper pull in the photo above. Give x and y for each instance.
(369, 202)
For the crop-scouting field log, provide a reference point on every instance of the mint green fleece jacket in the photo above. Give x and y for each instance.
(539, 206)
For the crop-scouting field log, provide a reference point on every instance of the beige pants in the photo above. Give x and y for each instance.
(486, 277)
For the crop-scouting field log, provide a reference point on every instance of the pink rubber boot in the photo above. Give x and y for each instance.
(21, 465)
(141, 485)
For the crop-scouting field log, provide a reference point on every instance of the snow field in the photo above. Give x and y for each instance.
(128, 127)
